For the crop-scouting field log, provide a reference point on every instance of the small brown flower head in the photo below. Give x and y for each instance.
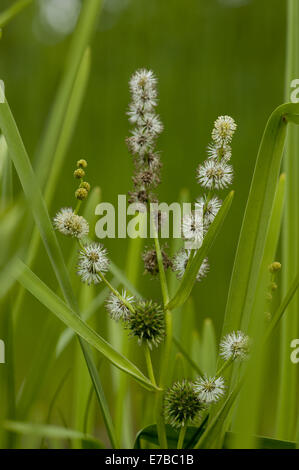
(85, 185)
(149, 257)
(142, 197)
(81, 163)
(81, 194)
(79, 173)
(146, 177)
(275, 267)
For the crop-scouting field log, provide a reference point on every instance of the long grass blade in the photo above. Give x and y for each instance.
(51, 432)
(256, 219)
(7, 15)
(42, 292)
(288, 373)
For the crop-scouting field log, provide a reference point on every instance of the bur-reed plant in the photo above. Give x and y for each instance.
(207, 404)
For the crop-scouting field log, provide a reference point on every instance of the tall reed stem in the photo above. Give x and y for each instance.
(290, 253)
(167, 349)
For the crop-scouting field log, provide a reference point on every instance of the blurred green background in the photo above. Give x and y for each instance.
(211, 57)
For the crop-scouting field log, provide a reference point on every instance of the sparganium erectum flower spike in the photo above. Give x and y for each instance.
(141, 144)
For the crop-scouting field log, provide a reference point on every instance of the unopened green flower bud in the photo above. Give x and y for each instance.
(81, 163)
(81, 194)
(85, 185)
(274, 267)
(79, 173)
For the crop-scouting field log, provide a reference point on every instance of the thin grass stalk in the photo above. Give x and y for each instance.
(287, 397)
(123, 408)
(34, 196)
(7, 15)
(165, 355)
(66, 132)
(80, 41)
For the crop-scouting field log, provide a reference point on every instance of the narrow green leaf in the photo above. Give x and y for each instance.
(42, 292)
(189, 277)
(245, 412)
(52, 432)
(42, 219)
(6, 176)
(213, 430)
(261, 442)
(7, 15)
(256, 219)
(80, 41)
(67, 335)
(208, 348)
(150, 435)
(182, 350)
(288, 373)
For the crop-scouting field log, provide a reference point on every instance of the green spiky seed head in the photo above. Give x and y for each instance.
(182, 406)
(81, 194)
(81, 163)
(274, 267)
(79, 173)
(85, 185)
(147, 323)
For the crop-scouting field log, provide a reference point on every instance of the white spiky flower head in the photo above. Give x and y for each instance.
(209, 389)
(142, 80)
(224, 129)
(192, 227)
(214, 175)
(219, 152)
(116, 308)
(144, 92)
(235, 345)
(70, 224)
(180, 262)
(140, 142)
(209, 207)
(92, 261)
(151, 123)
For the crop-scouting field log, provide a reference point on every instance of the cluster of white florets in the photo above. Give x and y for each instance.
(186, 400)
(215, 173)
(142, 142)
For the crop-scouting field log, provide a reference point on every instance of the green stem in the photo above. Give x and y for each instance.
(76, 211)
(286, 414)
(181, 437)
(116, 293)
(167, 349)
(149, 365)
(224, 366)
